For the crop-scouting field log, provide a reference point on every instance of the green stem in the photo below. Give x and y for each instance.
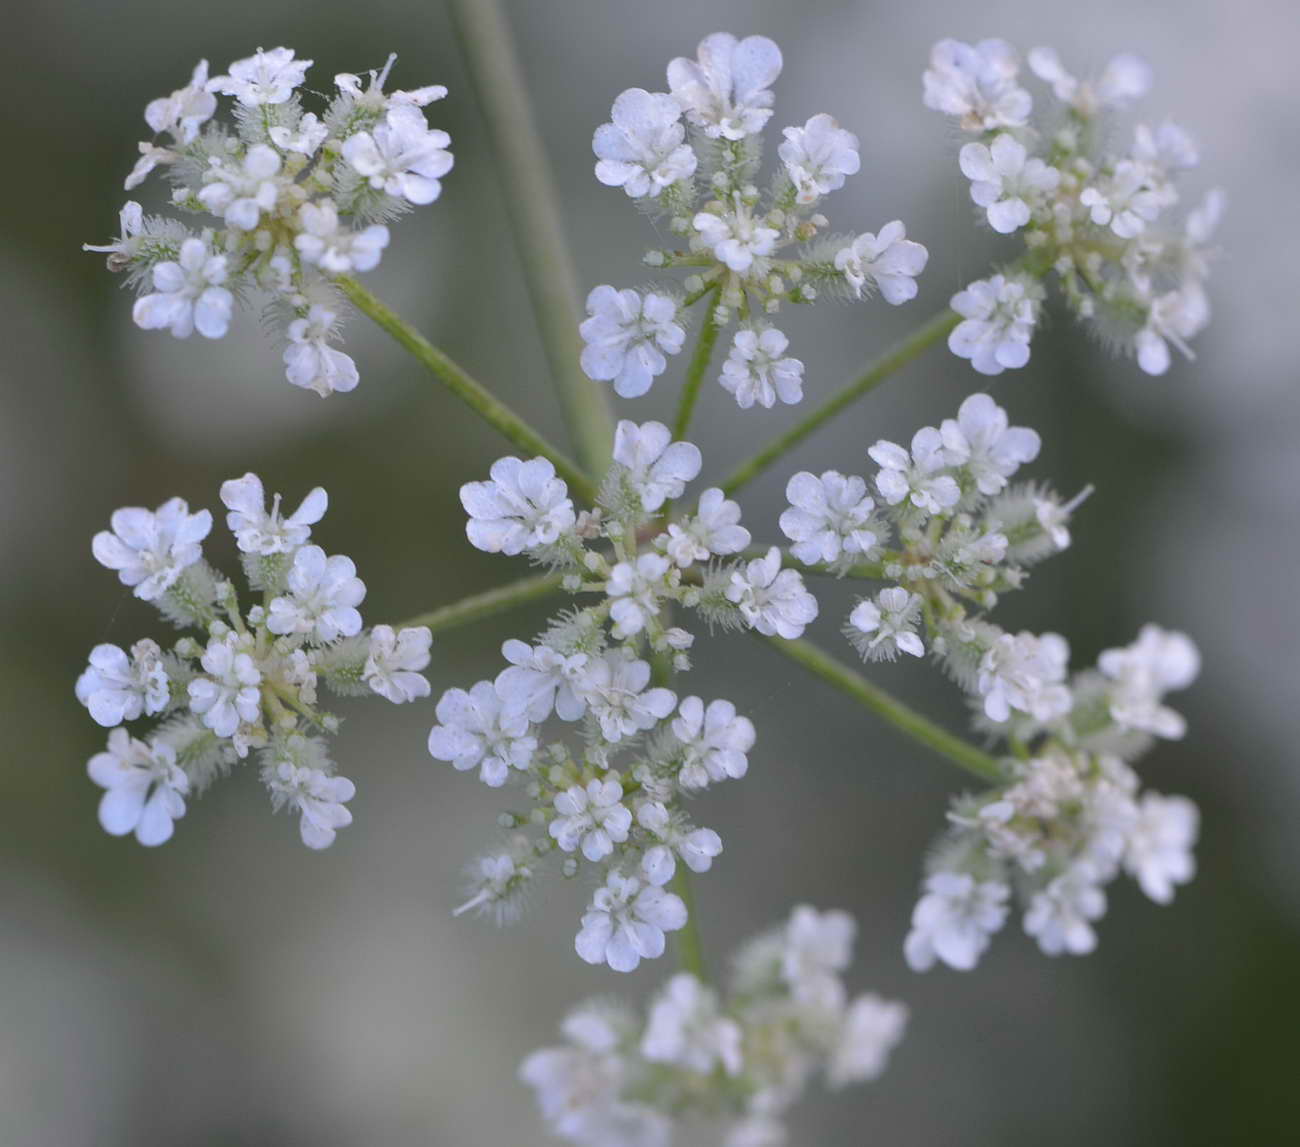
(533, 206)
(922, 729)
(898, 356)
(690, 952)
(698, 366)
(472, 392)
(480, 605)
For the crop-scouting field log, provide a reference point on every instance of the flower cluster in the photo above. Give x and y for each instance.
(1099, 220)
(248, 683)
(616, 800)
(289, 200)
(699, 1065)
(691, 157)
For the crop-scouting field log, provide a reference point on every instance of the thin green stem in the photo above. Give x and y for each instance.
(534, 209)
(901, 716)
(690, 952)
(699, 365)
(898, 356)
(472, 392)
(480, 605)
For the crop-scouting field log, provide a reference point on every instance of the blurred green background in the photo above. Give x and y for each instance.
(234, 988)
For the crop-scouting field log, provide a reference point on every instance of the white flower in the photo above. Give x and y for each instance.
(999, 316)
(880, 629)
(643, 149)
(145, 789)
(593, 818)
(1126, 77)
(394, 661)
(241, 194)
(615, 689)
(149, 549)
(308, 136)
(322, 599)
(259, 532)
(1174, 317)
(818, 156)
(524, 505)
(714, 530)
(1126, 200)
(916, 477)
(756, 372)
(632, 589)
(402, 156)
(726, 89)
(872, 1028)
(316, 796)
(374, 96)
(497, 882)
(627, 335)
(889, 259)
(828, 517)
(714, 739)
(186, 110)
(1059, 917)
(1025, 672)
(698, 847)
(322, 242)
(1158, 854)
(130, 222)
(685, 1029)
(540, 680)
(657, 468)
(187, 294)
(151, 156)
(117, 688)
(626, 923)
(981, 441)
(476, 729)
(309, 360)
(1142, 673)
(229, 695)
(953, 921)
(1166, 149)
(816, 946)
(772, 600)
(263, 78)
(735, 237)
(977, 84)
(1005, 182)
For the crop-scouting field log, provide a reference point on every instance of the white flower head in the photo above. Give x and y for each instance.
(725, 90)
(318, 798)
(1174, 317)
(322, 599)
(1141, 674)
(474, 728)
(883, 628)
(828, 517)
(756, 371)
(633, 588)
(188, 294)
(982, 441)
(626, 337)
(258, 531)
(998, 316)
(322, 242)
(394, 660)
(149, 549)
(144, 788)
(522, 506)
(263, 78)
(304, 139)
(130, 222)
(617, 693)
(626, 923)
(592, 818)
(186, 110)
(540, 680)
(1060, 915)
(1126, 200)
(715, 740)
(1158, 852)
(401, 156)
(310, 362)
(818, 156)
(698, 847)
(816, 947)
(229, 694)
(658, 468)
(1125, 78)
(734, 236)
(241, 194)
(643, 150)
(872, 1028)
(977, 84)
(917, 477)
(1025, 672)
(684, 1028)
(889, 260)
(116, 687)
(771, 599)
(1006, 181)
(714, 530)
(953, 921)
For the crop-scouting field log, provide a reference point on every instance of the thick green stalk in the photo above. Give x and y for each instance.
(901, 716)
(472, 392)
(698, 367)
(898, 356)
(535, 218)
(480, 605)
(690, 952)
